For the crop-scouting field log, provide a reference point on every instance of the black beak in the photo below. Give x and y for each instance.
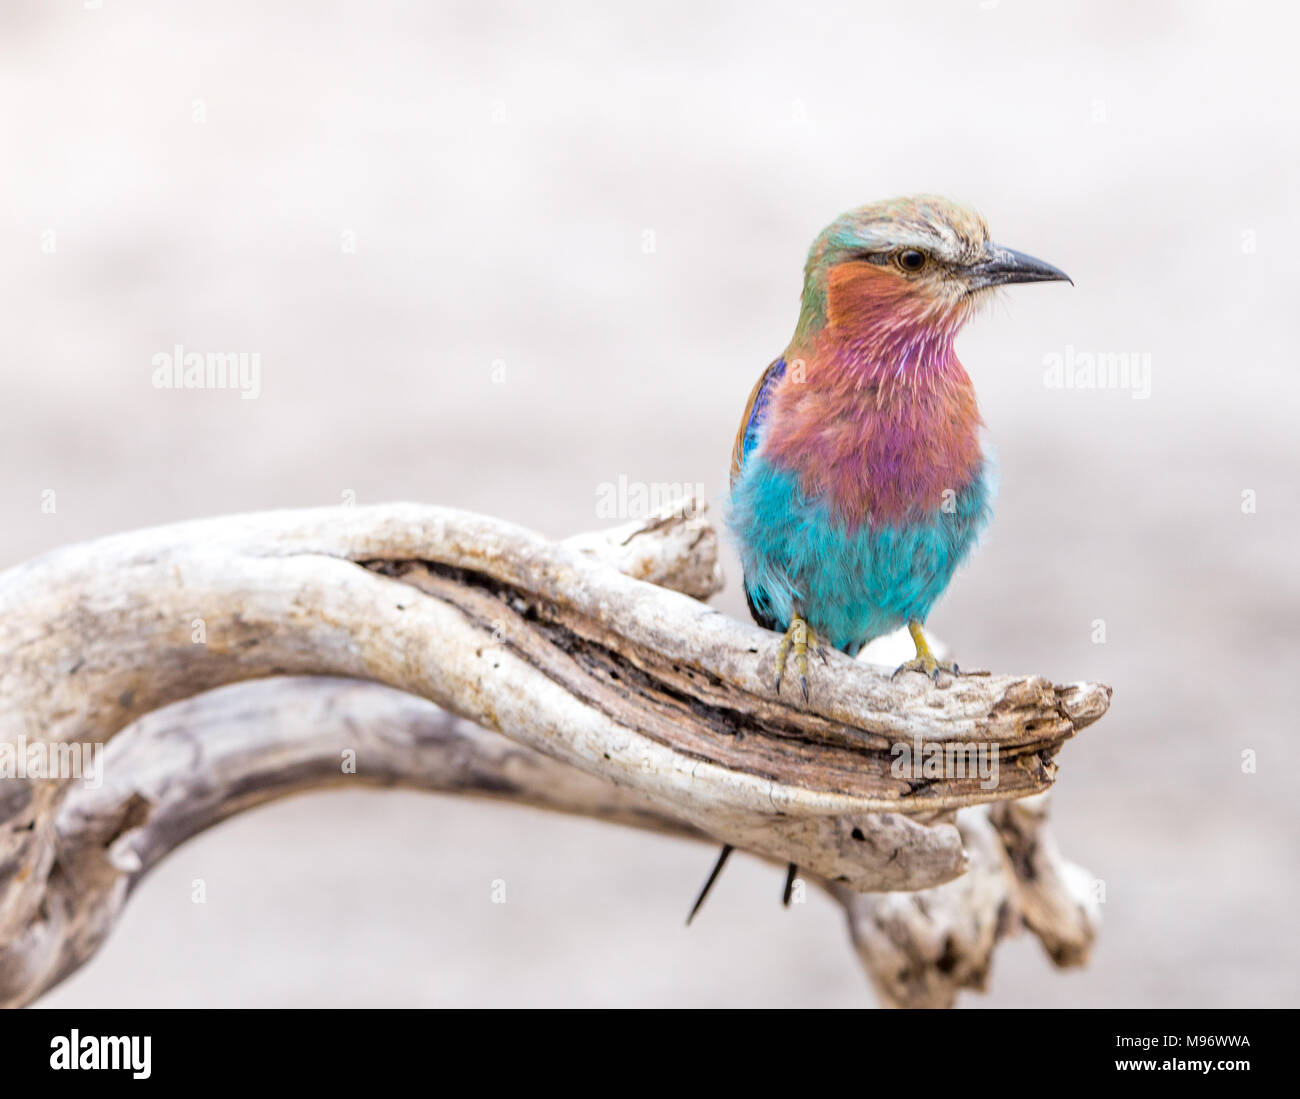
(1004, 265)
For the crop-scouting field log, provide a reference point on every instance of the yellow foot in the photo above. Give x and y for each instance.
(925, 661)
(799, 638)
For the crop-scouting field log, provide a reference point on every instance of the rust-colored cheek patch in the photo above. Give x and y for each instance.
(859, 292)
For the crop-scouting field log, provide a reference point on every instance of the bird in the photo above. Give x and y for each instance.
(859, 481)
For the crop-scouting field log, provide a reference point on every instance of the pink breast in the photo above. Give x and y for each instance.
(884, 441)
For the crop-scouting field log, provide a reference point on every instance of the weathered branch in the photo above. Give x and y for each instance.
(920, 949)
(629, 682)
(177, 772)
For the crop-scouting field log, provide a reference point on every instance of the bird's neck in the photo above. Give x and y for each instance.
(897, 362)
(867, 320)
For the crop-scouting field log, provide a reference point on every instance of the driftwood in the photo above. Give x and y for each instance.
(621, 700)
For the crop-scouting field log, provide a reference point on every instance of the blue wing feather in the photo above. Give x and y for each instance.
(754, 415)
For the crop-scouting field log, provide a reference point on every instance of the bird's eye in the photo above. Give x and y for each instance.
(910, 259)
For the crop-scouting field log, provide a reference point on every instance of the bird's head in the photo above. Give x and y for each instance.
(921, 261)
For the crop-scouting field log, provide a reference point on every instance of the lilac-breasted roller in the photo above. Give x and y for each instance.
(858, 482)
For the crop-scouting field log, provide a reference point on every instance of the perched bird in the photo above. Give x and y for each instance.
(858, 482)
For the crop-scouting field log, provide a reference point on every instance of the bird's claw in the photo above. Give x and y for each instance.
(799, 638)
(927, 665)
(925, 661)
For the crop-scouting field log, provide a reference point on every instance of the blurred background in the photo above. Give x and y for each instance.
(493, 256)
